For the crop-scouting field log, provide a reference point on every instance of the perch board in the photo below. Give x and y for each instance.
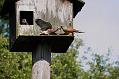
(59, 44)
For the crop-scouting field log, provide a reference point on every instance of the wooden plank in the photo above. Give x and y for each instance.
(41, 62)
(60, 44)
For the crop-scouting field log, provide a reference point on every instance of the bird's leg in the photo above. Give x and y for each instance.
(56, 30)
(62, 28)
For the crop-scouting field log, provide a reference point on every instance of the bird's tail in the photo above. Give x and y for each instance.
(77, 31)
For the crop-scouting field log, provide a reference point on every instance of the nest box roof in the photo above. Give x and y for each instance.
(9, 4)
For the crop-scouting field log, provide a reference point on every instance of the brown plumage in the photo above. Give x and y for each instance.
(43, 24)
(52, 31)
(70, 30)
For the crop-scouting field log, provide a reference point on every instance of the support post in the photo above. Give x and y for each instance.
(41, 62)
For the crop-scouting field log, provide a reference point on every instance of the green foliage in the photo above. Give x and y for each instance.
(101, 68)
(5, 17)
(65, 66)
(18, 65)
(98, 67)
(13, 65)
(113, 71)
(1, 4)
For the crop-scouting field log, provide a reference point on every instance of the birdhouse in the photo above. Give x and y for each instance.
(36, 21)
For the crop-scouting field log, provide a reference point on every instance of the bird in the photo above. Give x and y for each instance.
(24, 22)
(70, 30)
(52, 31)
(46, 27)
(43, 24)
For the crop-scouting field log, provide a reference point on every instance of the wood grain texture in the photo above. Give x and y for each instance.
(41, 62)
(41, 70)
(57, 12)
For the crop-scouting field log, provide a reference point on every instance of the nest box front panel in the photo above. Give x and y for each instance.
(43, 17)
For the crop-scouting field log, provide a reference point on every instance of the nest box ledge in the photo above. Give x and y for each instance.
(59, 44)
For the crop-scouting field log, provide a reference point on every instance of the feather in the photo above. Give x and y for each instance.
(43, 25)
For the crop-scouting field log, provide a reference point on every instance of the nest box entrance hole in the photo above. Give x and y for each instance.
(26, 17)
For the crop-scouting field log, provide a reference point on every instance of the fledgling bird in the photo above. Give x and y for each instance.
(70, 30)
(24, 22)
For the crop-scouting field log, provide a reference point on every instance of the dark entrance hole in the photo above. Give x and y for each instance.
(26, 17)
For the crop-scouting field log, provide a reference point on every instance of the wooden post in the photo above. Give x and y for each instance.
(41, 62)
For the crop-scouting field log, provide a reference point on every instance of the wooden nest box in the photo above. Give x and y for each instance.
(36, 21)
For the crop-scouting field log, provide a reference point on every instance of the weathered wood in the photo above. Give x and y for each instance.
(57, 12)
(41, 62)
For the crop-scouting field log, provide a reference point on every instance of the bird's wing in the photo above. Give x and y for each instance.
(43, 25)
(46, 26)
